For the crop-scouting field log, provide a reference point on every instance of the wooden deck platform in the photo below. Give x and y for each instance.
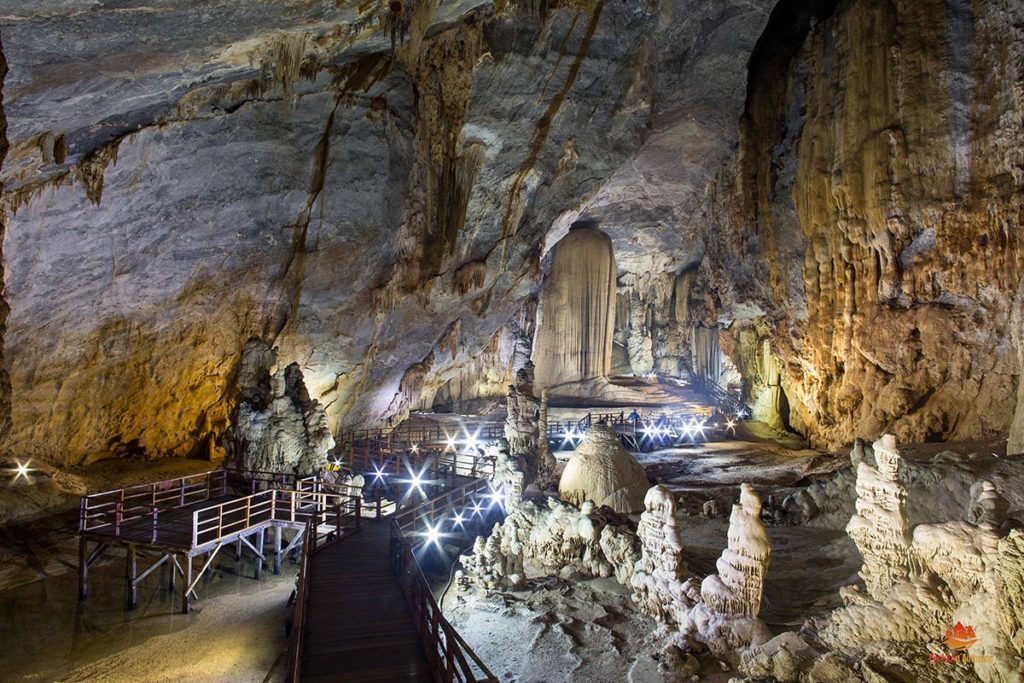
(172, 522)
(358, 627)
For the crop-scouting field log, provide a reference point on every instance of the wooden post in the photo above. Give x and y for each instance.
(259, 548)
(277, 550)
(83, 568)
(238, 550)
(130, 572)
(187, 581)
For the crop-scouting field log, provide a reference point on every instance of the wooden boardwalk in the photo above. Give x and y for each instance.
(173, 522)
(358, 626)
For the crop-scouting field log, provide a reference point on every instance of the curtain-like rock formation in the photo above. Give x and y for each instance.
(577, 310)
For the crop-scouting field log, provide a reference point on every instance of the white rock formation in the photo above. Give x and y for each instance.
(553, 540)
(987, 505)
(880, 527)
(602, 471)
(736, 590)
(276, 426)
(659, 582)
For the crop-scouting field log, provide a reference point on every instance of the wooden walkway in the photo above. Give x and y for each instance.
(358, 626)
(173, 522)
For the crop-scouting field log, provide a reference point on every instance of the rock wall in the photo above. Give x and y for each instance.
(282, 171)
(871, 223)
(5, 378)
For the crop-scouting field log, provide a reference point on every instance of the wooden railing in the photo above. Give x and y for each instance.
(315, 539)
(448, 654)
(108, 510)
(240, 515)
(441, 463)
(441, 506)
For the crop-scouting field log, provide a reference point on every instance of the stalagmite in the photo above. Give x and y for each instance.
(659, 581)
(524, 429)
(552, 540)
(736, 590)
(880, 527)
(576, 319)
(602, 471)
(276, 426)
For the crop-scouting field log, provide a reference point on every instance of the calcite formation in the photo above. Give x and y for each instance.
(554, 539)
(525, 431)
(735, 592)
(880, 527)
(659, 581)
(276, 426)
(278, 171)
(602, 471)
(878, 140)
(577, 310)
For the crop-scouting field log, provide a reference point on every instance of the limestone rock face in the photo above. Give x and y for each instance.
(881, 144)
(276, 426)
(602, 471)
(577, 310)
(237, 167)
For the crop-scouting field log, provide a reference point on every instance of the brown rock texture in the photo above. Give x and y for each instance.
(5, 378)
(872, 230)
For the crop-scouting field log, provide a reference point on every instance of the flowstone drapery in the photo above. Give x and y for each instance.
(276, 426)
(577, 309)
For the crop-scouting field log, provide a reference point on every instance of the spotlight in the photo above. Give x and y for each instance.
(496, 497)
(378, 474)
(477, 509)
(458, 520)
(22, 470)
(472, 441)
(415, 448)
(449, 442)
(730, 424)
(433, 535)
(570, 437)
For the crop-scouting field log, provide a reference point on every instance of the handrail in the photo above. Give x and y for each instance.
(311, 545)
(111, 506)
(409, 519)
(239, 515)
(450, 656)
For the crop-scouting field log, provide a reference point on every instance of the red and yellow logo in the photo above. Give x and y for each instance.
(960, 637)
